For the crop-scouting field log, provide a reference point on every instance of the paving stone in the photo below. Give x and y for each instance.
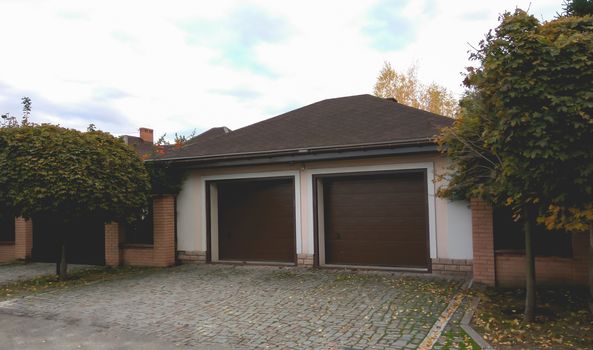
(257, 307)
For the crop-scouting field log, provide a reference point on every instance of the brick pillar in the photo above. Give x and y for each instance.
(305, 260)
(483, 242)
(112, 238)
(23, 238)
(164, 230)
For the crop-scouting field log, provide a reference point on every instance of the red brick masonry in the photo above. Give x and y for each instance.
(20, 248)
(23, 238)
(483, 242)
(460, 267)
(112, 241)
(305, 260)
(164, 231)
(161, 253)
(196, 257)
(510, 268)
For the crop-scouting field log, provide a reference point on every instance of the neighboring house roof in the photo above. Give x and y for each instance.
(338, 123)
(144, 148)
(208, 135)
(140, 146)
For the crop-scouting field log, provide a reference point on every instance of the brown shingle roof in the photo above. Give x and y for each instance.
(332, 123)
(140, 147)
(208, 135)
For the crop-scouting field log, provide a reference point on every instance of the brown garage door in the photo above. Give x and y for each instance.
(376, 220)
(256, 220)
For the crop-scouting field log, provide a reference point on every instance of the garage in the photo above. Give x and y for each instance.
(256, 220)
(375, 220)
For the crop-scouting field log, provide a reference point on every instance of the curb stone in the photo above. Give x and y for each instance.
(466, 325)
(439, 326)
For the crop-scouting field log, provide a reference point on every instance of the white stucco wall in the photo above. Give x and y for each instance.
(449, 222)
(454, 222)
(189, 204)
(459, 230)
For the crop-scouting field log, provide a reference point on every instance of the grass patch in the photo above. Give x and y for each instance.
(76, 278)
(562, 320)
(453, 342)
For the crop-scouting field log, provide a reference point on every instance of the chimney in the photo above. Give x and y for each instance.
(146, 135)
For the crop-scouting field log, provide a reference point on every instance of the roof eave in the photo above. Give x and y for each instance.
(322, 149)
(291, 156)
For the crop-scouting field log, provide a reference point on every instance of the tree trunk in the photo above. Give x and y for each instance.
(529, 315)
(591, 269)
(61, 264)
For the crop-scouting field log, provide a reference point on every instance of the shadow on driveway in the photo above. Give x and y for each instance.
(19, 272)
(21, 332)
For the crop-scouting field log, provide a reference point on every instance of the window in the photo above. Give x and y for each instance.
(509, 237)
(140, 232)
(6, 229)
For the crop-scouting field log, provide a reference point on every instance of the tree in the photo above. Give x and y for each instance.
(9, 121)
(524, 137)
(577, 8)
(67, 175)
(408, 90)
(439, 100)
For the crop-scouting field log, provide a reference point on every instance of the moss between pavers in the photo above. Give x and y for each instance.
(76, 278)
(453, 336)
(562, 320)
(458, 340)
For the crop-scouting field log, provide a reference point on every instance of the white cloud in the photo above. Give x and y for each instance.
(181, 65)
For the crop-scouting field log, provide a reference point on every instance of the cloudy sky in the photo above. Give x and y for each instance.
(175, 66)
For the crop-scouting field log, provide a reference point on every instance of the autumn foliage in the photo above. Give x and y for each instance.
(407, 89)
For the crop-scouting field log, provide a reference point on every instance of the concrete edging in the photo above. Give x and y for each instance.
(466, 325)
(439, 326)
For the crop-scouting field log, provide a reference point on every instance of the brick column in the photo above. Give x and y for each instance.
(164, 230)
(305, 260)
(112, 238)
(23, 238)
(483, 242)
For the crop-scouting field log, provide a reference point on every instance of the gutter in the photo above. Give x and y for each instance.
(302, 151)
(291, 156)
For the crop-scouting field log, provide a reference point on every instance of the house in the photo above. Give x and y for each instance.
(349, 182)
(344, 182)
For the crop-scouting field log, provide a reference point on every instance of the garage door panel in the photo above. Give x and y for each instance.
(256, 220)
(376, 253)
(375, 234)
(376, 220)
(410, 225)
(361, 187)
(262, 249)
(374, 209)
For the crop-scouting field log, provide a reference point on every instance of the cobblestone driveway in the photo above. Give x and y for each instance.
(256, 307)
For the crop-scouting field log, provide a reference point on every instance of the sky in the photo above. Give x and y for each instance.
(179, 66)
